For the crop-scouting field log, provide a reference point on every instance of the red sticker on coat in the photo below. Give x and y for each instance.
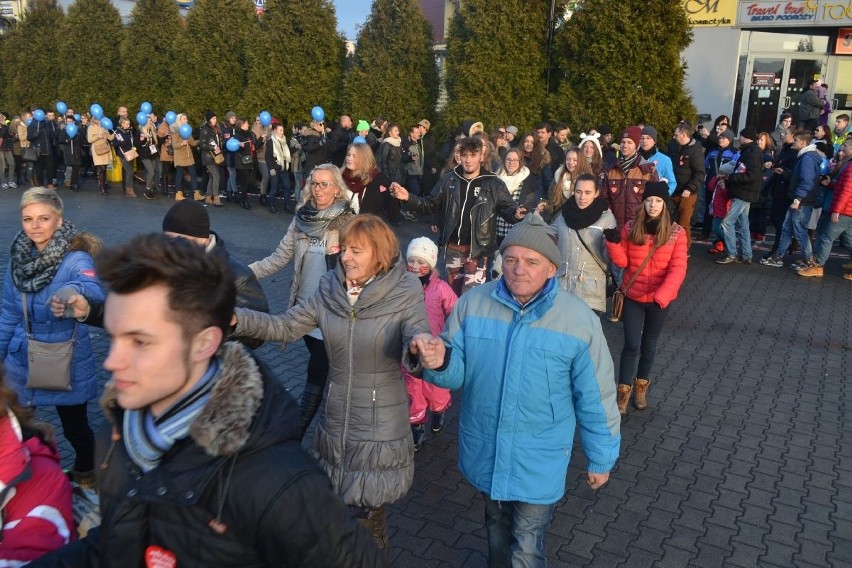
(156, 557)
(382, 188)
(88, 273)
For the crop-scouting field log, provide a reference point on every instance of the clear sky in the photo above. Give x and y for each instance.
(351, 14)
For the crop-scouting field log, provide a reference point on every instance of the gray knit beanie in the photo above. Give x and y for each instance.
(533, 233)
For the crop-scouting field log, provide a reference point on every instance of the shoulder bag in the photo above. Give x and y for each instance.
(30, 153)
(131, 154)
(610, 277)
(218, 159)
(618, 296)
(49, 363)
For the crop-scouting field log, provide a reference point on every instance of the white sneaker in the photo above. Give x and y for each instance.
(13, 185)
(5, 186)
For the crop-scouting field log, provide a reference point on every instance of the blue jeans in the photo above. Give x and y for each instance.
(826, 235)
(280, 179)
(516, 533)
(735, 228)
(643, 324)
(796, 225)
(179, 179)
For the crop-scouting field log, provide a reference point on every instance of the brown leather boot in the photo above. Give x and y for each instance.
(623, 398)
(208, 200)
(376, 525)
(641, 388)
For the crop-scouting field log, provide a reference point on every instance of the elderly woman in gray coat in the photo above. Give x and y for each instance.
(369, 308)
(579, 231)
(312, 245)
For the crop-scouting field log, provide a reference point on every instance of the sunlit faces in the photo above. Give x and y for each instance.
(589, 149)
(628, 147)
(152, 363)
(471, 162)
(646, 142)
(585, 192)
(654, 206)
(40, 221)
(418, 266)
(571, 161)
(529, 143)
(512, 163)
(525, 272)
(351, 161)
(359, 261)
(323, 188)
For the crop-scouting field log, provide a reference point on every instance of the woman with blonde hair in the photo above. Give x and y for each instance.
(184, 159)
(590, 147)
(369, 308)
(100, 139)
(51, 257)
(370, 187)
(563, 184)
(149, 155)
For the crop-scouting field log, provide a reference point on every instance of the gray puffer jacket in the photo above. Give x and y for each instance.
(363, 440)
(579, 273)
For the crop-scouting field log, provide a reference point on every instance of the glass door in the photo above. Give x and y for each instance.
(840, 85)
(801, 73)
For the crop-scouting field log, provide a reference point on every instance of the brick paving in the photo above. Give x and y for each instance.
(743, 458)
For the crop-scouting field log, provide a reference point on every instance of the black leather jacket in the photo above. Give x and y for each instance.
(493, 199)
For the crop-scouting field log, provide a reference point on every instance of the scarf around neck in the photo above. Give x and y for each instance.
(33, 270)
(280, 150)
(315, 222)
(515, 181)
(147, 439)
(577, 218)
(354, 182)
(627, 163)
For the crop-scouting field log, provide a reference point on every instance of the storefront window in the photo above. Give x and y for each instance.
(762, 42)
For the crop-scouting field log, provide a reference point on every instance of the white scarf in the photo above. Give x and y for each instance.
(514, 182)
(281, 150)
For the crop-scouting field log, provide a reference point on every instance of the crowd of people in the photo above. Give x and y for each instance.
(201, 453)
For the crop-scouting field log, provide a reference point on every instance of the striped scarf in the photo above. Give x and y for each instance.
(148, 439)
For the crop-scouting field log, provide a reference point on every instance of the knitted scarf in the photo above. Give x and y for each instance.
(281, 151)
(315, 222)
(627, 163)
(577, 218)
(33, 270)
(147, 439)
(357, 185)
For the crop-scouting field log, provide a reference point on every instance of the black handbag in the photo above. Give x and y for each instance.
(29, 154)
(246, 159)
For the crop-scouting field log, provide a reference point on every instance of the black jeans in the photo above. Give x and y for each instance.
(75, 425)
(643, 323)
(317, 362)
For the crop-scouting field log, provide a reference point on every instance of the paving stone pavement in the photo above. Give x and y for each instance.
(743, 458)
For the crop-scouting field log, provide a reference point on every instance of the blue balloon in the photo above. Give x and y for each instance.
(106, 122)
(38, 115)
(141, 118)
(61, 107)
(359, 140)
(77, 117)
(71, 130)
(265, 118)
(185, 131)
(318, 114)
(824, 167)
(29, 121)
(171, 117)
(146, 107)
(233, 145)
(96, 111)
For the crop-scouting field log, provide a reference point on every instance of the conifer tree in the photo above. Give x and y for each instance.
(30, 58)
(149, 53)
(296, 62)
(496, 62)
(620, 63)
(213, 69)
(394, 72)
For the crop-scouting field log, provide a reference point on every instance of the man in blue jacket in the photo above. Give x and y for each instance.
(533, 362)
(802, 190)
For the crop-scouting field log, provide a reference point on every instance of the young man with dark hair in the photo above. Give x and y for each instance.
(544, 133)
(468, 199)
(200, 460)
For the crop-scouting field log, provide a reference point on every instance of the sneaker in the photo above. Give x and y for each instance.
(13, 185)
(726, 260)
(742, 260)
(418, 431)
(813, 271)
(408, 216)
(772, 261)
(717, 248)
(797, 266)
(437, 422)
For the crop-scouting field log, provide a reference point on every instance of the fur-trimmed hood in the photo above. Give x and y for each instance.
(230, 421)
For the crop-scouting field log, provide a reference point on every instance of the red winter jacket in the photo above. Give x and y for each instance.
(37, 518)
(842, 201)
(662, 276)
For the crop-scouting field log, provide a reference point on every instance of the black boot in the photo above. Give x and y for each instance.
(245, 202)
(437, 422)
(264, 201)
(418, 431)
(309, 403)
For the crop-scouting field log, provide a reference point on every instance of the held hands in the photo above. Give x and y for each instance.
(612, 235)
(76, 306)
(399, 192)
(597, 480)
(431, 350)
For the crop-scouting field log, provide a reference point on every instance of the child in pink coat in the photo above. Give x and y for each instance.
(440, 299)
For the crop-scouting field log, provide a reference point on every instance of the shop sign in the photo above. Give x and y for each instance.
(710, 13)
(766, 13)
(7, 9)
(762, 79)
(844, 42)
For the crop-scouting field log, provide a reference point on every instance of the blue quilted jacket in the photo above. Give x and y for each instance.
(530, 374)
(77, 270)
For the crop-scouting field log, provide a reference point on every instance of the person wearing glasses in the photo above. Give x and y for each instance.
(312, 245)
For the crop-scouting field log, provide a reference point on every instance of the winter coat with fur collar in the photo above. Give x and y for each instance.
(238, 491)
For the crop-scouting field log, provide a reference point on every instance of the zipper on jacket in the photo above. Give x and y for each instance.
(374, 408)
(347, 403)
